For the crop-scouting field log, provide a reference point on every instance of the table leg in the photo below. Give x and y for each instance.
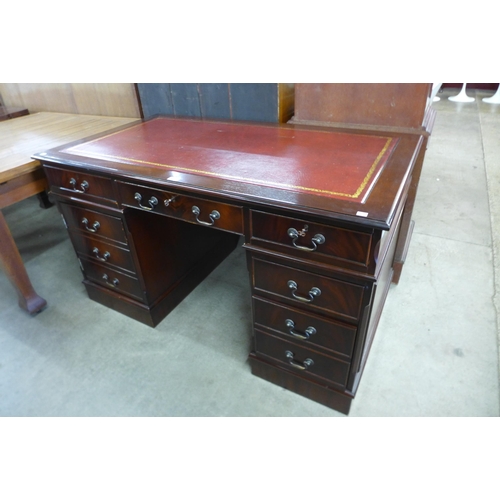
(13, 266)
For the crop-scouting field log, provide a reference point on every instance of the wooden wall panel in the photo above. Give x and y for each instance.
(109, 99)
(155, 99)
(372, 104)
(185, 98)
(103, 99)
(215, 100)
(286, 92)
(264, 102)
(255, 102)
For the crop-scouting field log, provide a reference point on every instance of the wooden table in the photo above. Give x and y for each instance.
(152, 209)
(21, 177)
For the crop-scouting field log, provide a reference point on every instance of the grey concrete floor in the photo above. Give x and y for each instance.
(435, 352)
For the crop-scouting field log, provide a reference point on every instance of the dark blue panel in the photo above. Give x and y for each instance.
(186, 99)
(155, 99)
(214, 100)
(254, 101)
(237, 101)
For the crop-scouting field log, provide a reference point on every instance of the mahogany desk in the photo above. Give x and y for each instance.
(22, 177)
(152, 209)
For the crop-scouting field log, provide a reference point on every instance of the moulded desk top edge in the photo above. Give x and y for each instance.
(228, 194)
(379, 207)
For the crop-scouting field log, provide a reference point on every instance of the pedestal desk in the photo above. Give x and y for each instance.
(152, 209)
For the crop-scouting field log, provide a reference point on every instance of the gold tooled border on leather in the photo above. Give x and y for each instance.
(75, 150)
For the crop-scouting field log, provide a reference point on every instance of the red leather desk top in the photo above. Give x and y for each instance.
(332, 164)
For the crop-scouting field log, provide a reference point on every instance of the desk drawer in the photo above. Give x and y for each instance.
(101, 250)
(302, 360)
(92, 222)
(190, 209)
(112, 279)
(305, 328)
(312, 291)
(304, 238)
(79, 184)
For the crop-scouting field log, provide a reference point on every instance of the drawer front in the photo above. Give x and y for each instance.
(94, 223)
(306, 328)
(190, 209)
(102, 251)
(112, 279)
(311, 240)
(316, 292)
(304, 361)
(79, 184)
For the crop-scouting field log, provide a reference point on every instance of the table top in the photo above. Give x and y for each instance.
(24, 136)
(355, 174)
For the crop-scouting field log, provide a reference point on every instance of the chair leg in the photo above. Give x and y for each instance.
(462, 96)
(494, 99)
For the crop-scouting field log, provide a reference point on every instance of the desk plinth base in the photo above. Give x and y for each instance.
(174, 294)
(322, 394)
(124, 305)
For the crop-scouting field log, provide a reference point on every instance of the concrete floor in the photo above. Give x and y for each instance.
(435, 352)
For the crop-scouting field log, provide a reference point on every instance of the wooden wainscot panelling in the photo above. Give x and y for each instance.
(262, 102)
(103, 99)
(363, 104)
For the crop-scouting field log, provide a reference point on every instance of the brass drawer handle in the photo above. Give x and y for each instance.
(114, 283)
(105, 255)
(152, 202)
(316, 240)
(310, 330)
(95, 225)
(304, 365)
(84, 186)
(313, 292)
(214, 215)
